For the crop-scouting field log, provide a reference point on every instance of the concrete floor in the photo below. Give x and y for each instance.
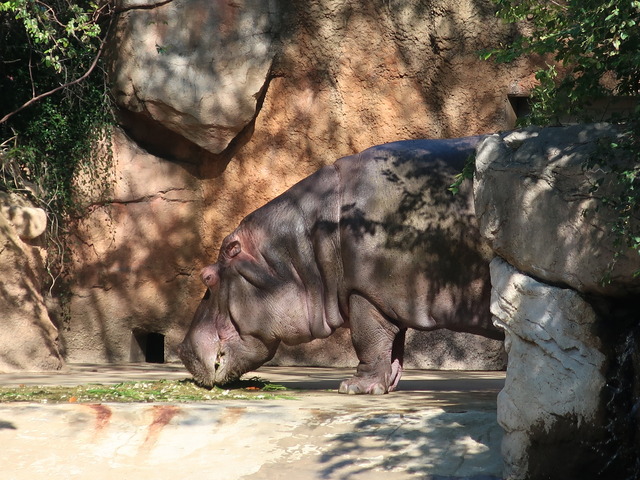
(439, 425)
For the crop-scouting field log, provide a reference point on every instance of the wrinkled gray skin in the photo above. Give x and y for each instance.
(374, 242)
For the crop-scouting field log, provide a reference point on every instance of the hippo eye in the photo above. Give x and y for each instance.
(207, 294)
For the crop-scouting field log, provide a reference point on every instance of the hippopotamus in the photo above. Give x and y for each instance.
(374, 242)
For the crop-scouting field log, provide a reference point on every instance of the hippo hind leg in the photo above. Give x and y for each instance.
(379, 345)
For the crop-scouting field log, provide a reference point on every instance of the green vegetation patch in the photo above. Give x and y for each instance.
(174, 391)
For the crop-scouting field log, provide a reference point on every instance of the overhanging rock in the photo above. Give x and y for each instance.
(203, 82)
(536, 206)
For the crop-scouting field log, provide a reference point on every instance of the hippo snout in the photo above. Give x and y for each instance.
(184, 350)
(204, 358)
(188, 354)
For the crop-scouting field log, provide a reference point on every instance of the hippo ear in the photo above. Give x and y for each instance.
(232, 249)
(209, 275)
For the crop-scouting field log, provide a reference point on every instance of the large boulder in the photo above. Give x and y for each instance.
(196, 67)
(565, 294)
(29, 222)
(28, 337)
(550, 407)
(536, 206)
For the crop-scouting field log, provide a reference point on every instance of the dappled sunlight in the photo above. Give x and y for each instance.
(304, 84)
(532, 190)
(202, 82)
(438, 442)
(133, 258)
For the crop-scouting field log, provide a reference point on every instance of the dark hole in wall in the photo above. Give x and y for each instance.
(520, 106)
(155, 348)
(147, 347)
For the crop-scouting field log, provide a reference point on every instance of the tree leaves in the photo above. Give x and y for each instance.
(592, 51)
(589, 38)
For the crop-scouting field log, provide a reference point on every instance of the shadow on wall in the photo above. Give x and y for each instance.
(361, 76)
(338, 79)
(401, 69)
(133, 259)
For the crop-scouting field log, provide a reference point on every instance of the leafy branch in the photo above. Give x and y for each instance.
(39, 21)
(592, 52)
(59, 107)
(592, 49)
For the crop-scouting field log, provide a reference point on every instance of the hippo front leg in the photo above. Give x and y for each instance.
(379, 345)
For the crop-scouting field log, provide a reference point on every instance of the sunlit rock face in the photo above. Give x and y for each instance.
(198, 68)
(555, 376)
(28, 337)
(536, 206)
(570, 403)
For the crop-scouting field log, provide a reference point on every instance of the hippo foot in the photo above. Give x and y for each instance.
(362, 385)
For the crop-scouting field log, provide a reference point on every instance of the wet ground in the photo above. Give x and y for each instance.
(438, 426)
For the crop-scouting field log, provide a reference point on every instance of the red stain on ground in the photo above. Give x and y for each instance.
(232, 415)
(103, 417)
(162, 415)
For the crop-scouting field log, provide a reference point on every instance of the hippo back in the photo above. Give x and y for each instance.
(408, 244)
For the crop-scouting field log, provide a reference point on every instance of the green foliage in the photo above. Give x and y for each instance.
(592, 53)
(626, 202)
(55, 31)
(54, 107)
(595, 44)
(466, 174)
(55, 104)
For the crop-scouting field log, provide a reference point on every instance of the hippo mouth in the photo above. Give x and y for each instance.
(210, 371)
(221, 362)
(215, 371)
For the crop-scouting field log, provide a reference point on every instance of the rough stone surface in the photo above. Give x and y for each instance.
(29, 222)
(535, 207)
(134, 259)
(550, 404)
(197, 67)
(341, 77)
(437, 350)
(28, 337)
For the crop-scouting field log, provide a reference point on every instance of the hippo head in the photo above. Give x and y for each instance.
(250, 306)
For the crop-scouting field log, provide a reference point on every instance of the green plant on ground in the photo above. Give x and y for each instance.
(174, 391)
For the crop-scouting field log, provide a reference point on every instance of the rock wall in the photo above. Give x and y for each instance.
(224, 105)
(569, 405)
(28, 337)
(134, 272)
